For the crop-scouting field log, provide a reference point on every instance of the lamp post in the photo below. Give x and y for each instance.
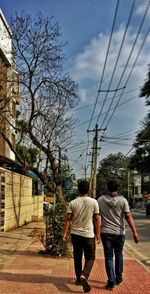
(129, 186)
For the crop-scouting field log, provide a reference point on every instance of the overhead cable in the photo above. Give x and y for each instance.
(115, 66)
(126, 101)
(108, 48)
(148, 31)
(138, 33)
(89, 105)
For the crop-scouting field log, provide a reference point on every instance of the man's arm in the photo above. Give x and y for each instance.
(67, 226)
(96, 221)
(131, 224)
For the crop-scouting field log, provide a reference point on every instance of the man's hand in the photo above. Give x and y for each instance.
(136, 238)
(65, 239)
(66, 226)
(97, 239)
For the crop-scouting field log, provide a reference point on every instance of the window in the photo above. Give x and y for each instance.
(136, 190)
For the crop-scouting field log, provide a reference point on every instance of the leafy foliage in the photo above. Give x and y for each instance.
(29, 154)
(141, 158)
(145, 91)
(54, 231)
(114, 167)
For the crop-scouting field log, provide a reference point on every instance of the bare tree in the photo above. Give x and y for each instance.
(47, 93)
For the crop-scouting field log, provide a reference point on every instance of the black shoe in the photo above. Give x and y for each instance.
(85, 285)
(78, 282)
(110, 286)
(119, 283)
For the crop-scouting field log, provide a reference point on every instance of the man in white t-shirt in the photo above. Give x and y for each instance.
(83, 216)
(114, 209)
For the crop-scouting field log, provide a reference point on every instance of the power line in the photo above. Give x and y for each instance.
(112, 29)
(117, 104)
(126, 101)
(139, 30)
(115, 66)
(115, 138)
(126, 132)
(140, 140)
(89, 105)
(76, 145)
(129, 75)
(108, 48)
(116, 143)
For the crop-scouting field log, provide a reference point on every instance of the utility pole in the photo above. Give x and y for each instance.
(92, 169)
(128, 186)
(85, 173)
(94, 162)
(59, 158)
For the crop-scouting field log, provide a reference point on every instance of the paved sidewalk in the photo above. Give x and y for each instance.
(25, 271)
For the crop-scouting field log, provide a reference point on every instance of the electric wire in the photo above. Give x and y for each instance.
(108, 48)
(140, 140)
(116, 63)
(126, 101)
(89, 105)
(117, 104)
(116, 138)
(135, 41)
(112, 76)
(116, 143)
(129, 75)
(101, 80)
(104, 113)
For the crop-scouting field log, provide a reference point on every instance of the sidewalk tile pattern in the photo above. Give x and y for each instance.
(28, 272)
(136, 278)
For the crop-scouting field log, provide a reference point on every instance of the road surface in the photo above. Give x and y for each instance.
(140, 251)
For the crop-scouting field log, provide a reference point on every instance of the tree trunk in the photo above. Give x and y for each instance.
(59, 193)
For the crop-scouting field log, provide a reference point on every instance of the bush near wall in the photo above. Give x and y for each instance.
(54, 231)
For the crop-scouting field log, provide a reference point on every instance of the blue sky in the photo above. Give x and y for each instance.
(86, 26)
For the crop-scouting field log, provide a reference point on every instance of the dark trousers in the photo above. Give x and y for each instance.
(113, 245)
(86, 246)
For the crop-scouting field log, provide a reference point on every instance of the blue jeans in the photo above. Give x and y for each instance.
(113, 245)
(86, 246)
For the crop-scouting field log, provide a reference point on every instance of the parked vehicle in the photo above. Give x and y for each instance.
(147, 207)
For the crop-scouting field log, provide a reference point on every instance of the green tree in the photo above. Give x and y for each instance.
(141, 158)
(145, 91)
(29, 154)
(114, 166)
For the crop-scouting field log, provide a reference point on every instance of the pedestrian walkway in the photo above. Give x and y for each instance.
(25, 271)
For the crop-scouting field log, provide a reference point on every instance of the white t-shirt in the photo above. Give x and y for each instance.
(82, 209)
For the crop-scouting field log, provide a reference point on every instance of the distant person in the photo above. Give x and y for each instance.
(83, 216)
(114, 208)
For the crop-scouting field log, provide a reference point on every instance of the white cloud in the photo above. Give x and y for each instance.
(141, 7)
(88, 65)
(87, 69)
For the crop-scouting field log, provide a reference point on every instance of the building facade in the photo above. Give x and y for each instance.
(135, 195)
(18, 205)
(9, 90)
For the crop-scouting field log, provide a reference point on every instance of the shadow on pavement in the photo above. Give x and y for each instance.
(61, 283)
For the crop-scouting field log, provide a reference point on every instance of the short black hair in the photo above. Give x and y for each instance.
(83, 187)
(112, 186)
